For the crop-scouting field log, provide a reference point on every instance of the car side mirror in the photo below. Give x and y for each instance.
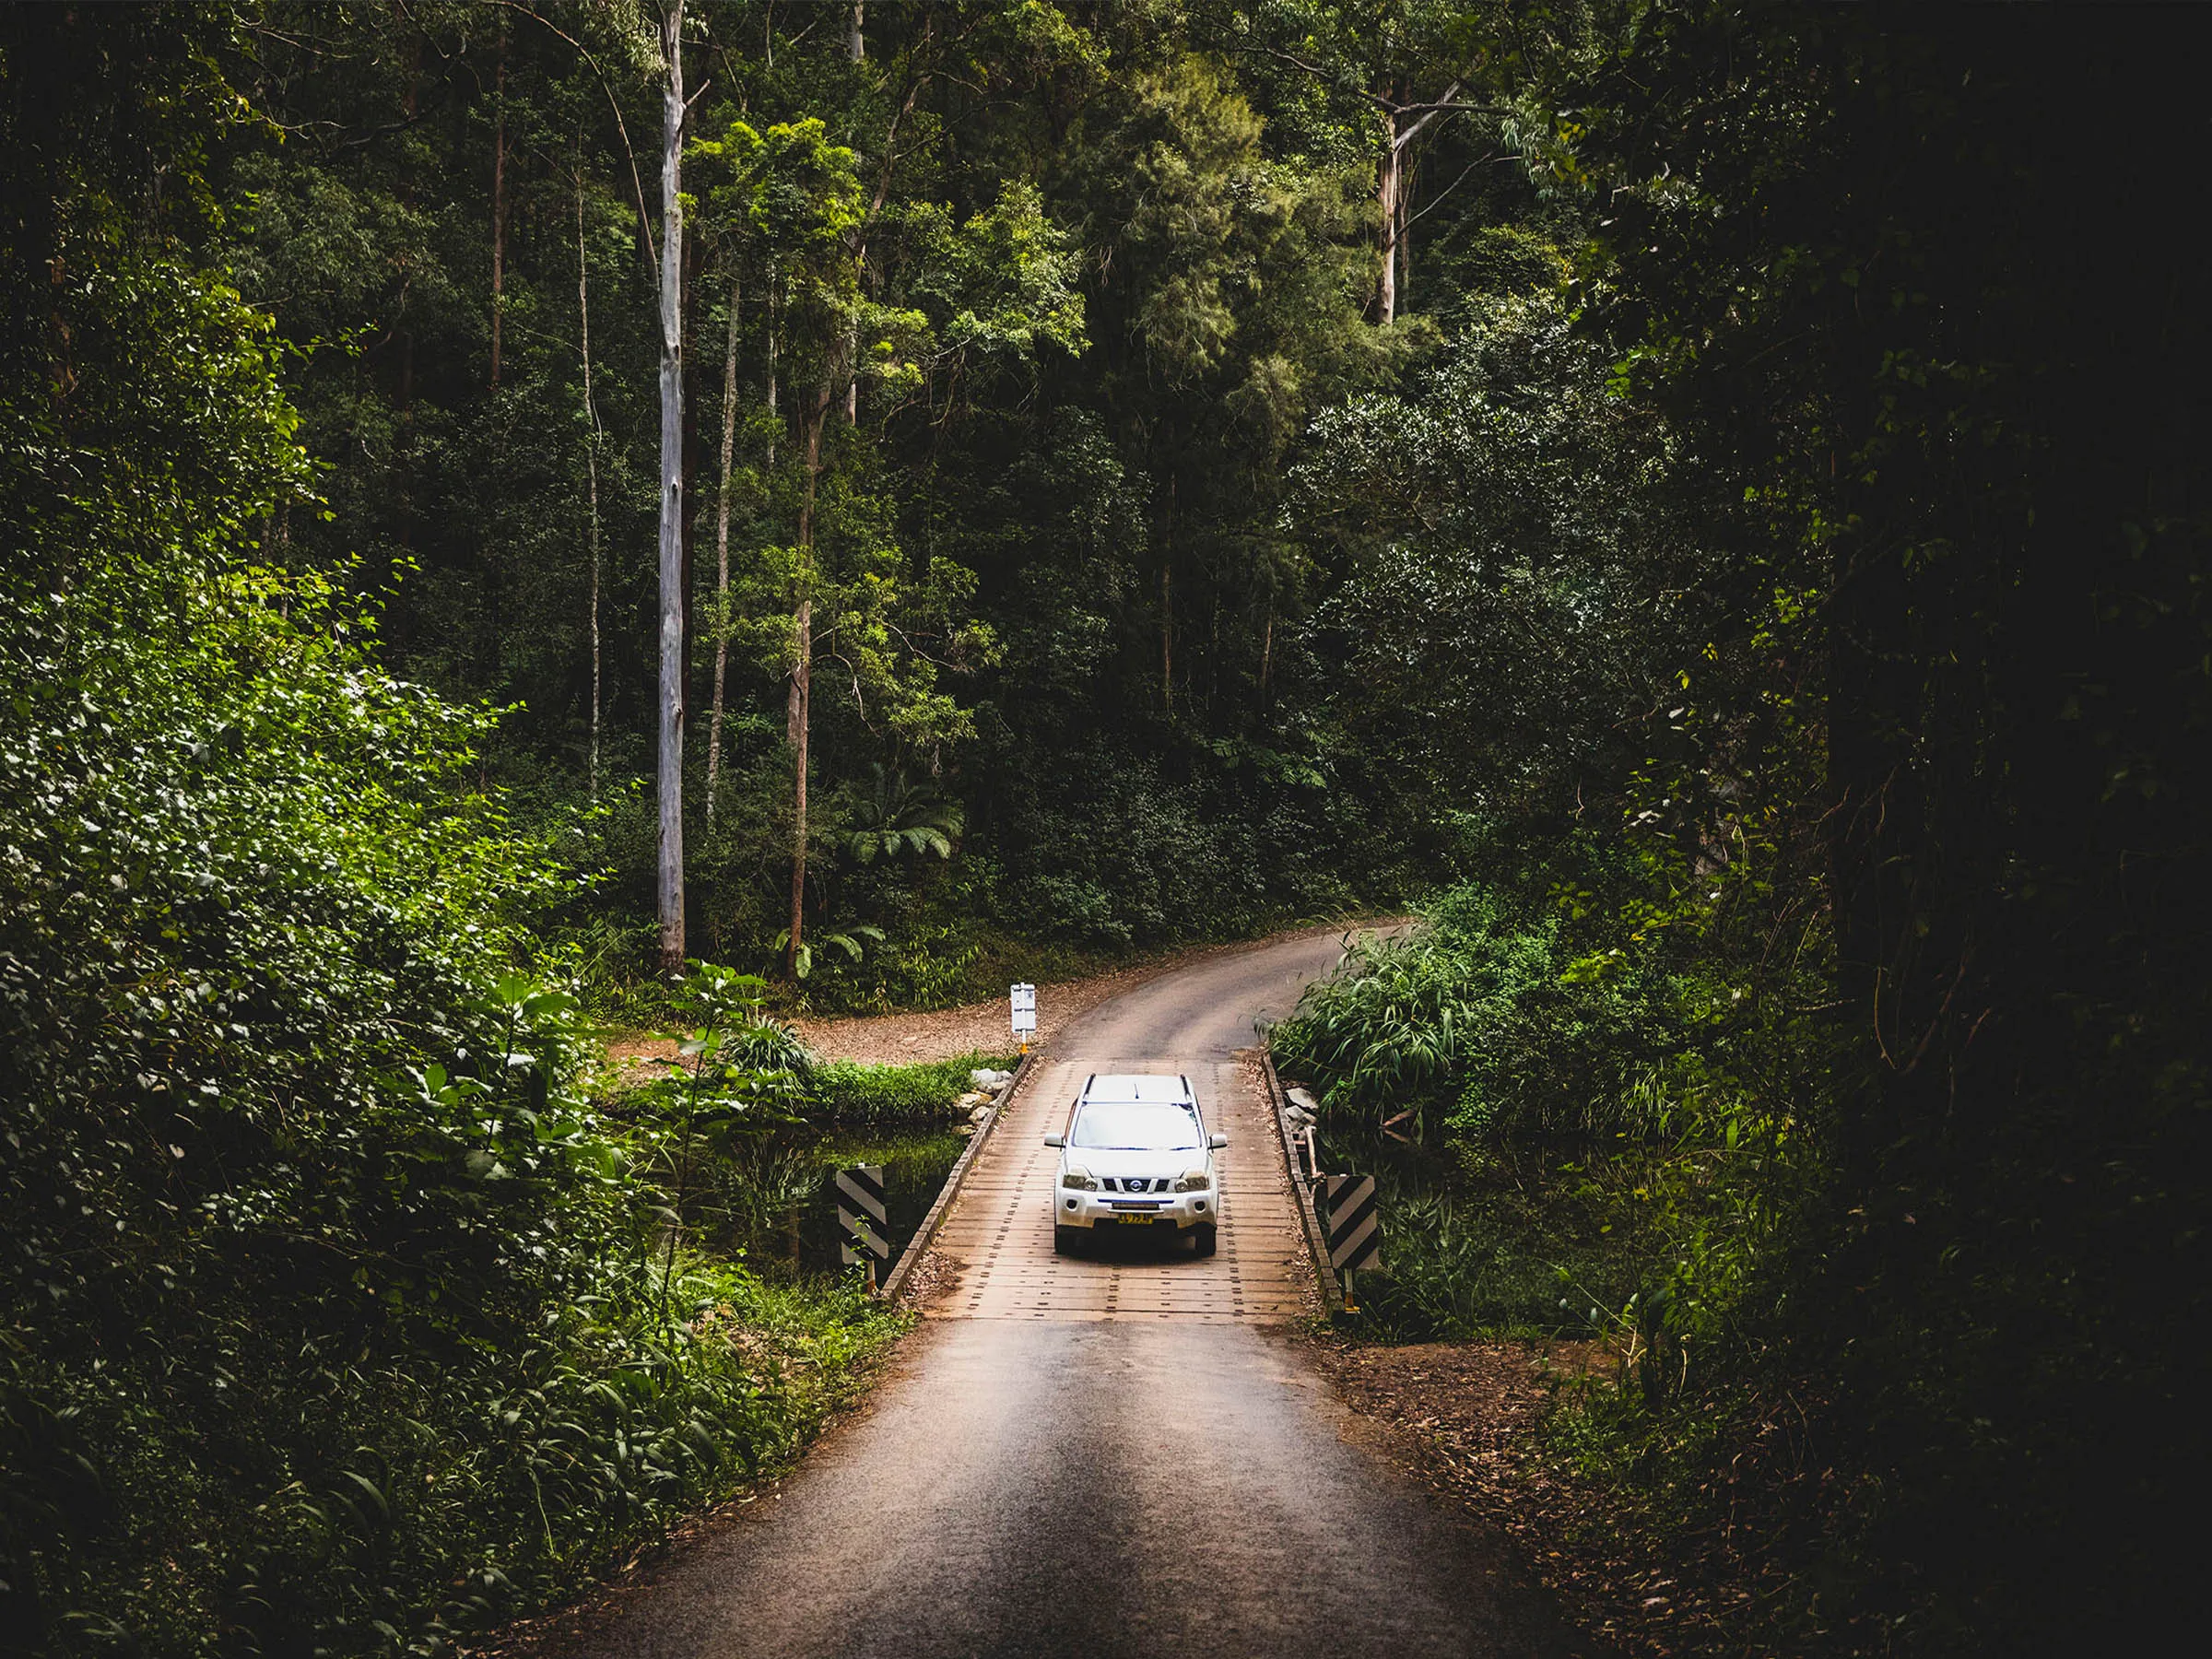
(1055, 1140)
(1216, 1141)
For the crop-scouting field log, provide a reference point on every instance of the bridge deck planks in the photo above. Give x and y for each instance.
(996, 1246)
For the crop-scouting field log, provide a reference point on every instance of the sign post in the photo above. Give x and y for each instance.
(1355, 1236)
(861, 1211)
(1024, 1001)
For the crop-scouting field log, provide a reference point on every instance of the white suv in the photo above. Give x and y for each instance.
(1135, 1156)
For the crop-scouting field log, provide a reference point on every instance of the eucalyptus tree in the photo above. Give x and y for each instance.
(1400, 81)
(670, 887)
(1379, 76)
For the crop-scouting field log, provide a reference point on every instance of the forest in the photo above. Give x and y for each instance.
(520, 519)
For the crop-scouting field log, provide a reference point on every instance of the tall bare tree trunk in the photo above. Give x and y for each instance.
(1388, 184)
(1392, 185)
(671, 874)
(1403, 239)
(856, 49)
(722, 551)
(498, 202)
(801, 710)
(695, 463)
(802, 693)
(813, 424)
(776, 425)
(591, 452)
(1167, 641)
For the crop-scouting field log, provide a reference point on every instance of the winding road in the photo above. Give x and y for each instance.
(1118, 1455)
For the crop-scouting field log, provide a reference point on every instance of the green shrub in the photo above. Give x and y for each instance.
(1606, 1147)
(1485, 1023)
(852, 1092)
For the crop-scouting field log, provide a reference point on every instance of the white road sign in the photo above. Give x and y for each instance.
(1025, 1010)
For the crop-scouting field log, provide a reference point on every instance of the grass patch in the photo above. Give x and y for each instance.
(853, 1093)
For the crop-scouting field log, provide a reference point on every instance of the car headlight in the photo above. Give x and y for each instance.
(1194, 1180)
(1078, 1179)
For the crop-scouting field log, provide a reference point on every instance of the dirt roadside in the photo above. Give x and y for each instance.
(975, 1028)
(1463, 1418)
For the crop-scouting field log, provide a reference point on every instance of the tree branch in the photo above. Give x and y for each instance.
(1447, 104)
(890, 136)
(636, 182)
(1319, 73)
(1436, 199)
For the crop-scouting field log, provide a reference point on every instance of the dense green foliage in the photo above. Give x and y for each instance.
(1852, 893)
(1481, 1026)
(334, 1320)
(1706, 496)
(1097, 300)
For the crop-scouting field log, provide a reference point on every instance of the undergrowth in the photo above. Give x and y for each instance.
(853, 1092)
(1520, 1244)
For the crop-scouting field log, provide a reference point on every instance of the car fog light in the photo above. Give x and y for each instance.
(1071, 1203)
(1199, 1204)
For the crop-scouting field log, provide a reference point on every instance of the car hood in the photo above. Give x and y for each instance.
(1101, 1161)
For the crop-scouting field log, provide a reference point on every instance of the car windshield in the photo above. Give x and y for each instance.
(1164, 1128)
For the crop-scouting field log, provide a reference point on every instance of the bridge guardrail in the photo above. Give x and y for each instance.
(1317, 1245)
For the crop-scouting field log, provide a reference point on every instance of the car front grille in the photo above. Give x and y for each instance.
(1136, 1184)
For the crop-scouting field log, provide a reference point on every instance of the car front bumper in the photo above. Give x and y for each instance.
(1110, 1211)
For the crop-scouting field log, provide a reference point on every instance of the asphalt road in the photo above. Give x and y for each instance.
(1039, 1483)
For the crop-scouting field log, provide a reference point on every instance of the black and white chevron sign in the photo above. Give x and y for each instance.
(860, 1212)
(1355, 1237)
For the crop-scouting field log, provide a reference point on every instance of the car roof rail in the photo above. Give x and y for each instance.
(1111, 1089)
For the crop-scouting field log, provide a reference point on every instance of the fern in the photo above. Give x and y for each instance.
(895, 816)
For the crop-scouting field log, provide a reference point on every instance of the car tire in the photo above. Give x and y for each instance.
(1067, 1240)
(1204, 1237)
